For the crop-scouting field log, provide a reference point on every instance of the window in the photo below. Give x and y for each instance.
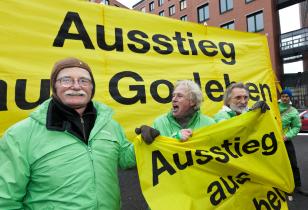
(255, 22)
(183, 4)
(161, 13)
(229, 25)
(203, 13)
(151, 6)
(225, 5)
(105, 2)
(160, 2)
(184, 18)
(171, 10)
(143, 9)
(248, 1)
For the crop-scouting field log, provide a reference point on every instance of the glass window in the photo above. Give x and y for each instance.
(255, 22)
(183, 4)
(229, 25)
(151, 6)
(184, 18)
(203, 13)
(160, 2)
(171, 10)
(161, 13)
(105, 2)
(248, 1)
(225, 5)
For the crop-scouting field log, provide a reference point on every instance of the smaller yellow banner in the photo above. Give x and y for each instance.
(239, 164)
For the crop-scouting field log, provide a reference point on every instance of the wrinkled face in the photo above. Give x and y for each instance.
(181, 104)
(285, 98)
(74, 87)
(239, 100)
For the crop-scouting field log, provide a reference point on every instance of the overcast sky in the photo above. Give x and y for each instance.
(289, 21)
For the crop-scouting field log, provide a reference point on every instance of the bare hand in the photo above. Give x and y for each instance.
(185, 134)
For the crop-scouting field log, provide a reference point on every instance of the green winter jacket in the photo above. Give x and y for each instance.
(224, 114)
(291, 123)
(167, 125)
(42, 169)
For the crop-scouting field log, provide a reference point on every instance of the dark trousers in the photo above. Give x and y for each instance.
(292, 157)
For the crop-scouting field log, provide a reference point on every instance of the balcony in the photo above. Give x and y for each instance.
(293, 44)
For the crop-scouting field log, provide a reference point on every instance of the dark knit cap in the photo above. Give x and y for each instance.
(68, 63)
(287, 91)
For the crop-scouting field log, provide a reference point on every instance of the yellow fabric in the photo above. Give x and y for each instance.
(258, 166)
(135, 76)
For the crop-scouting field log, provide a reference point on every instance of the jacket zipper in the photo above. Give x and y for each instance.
(83, 130)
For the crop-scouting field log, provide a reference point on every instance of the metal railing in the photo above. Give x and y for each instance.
(294, 43)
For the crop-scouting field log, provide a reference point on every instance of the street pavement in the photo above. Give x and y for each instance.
(132, 198)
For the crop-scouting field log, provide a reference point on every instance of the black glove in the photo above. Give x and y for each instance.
(148, 133)
(262, 105)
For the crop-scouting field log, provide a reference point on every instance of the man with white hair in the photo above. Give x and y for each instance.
(185, 114)
(236, 99)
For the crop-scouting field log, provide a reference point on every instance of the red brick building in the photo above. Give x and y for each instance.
(259, 16)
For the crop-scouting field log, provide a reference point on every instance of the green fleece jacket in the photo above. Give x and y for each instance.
(43, 169)
(291, 123)
(168, 126)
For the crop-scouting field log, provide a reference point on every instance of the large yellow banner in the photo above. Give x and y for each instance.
(135, 57)
(237, 164)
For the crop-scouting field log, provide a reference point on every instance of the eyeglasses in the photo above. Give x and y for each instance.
(238, 98)
(68, 81)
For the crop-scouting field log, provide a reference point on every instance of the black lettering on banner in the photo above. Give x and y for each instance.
(132, 35)
(201, 153)
(154, 92)
(179, 40)
(114, 90)
(163, 41)
(209, 90)
(189, 160)
(158, 156)
(265, 87)
(20, 94)
(192, 44)
(217, 188)
(63, 34)
(273, 202)
(3, 96)
(227, 80)
(230, 54)
(101, 39)
(207, 47)
(251, 146)
(216, 150)
(273, 146)
(253, 89)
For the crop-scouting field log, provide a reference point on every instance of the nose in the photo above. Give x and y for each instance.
(76, 84)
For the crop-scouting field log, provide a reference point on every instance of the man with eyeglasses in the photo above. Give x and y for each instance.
(66, 154)
(236, 99)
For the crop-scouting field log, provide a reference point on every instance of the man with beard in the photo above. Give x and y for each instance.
(185, 114)
(66, 154)
(236, 99)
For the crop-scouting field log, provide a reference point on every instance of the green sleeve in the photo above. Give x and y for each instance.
(14, 169)
(127, 157)
(295, 126)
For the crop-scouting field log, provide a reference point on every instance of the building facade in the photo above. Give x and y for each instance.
(109, 2)
(260, 16)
